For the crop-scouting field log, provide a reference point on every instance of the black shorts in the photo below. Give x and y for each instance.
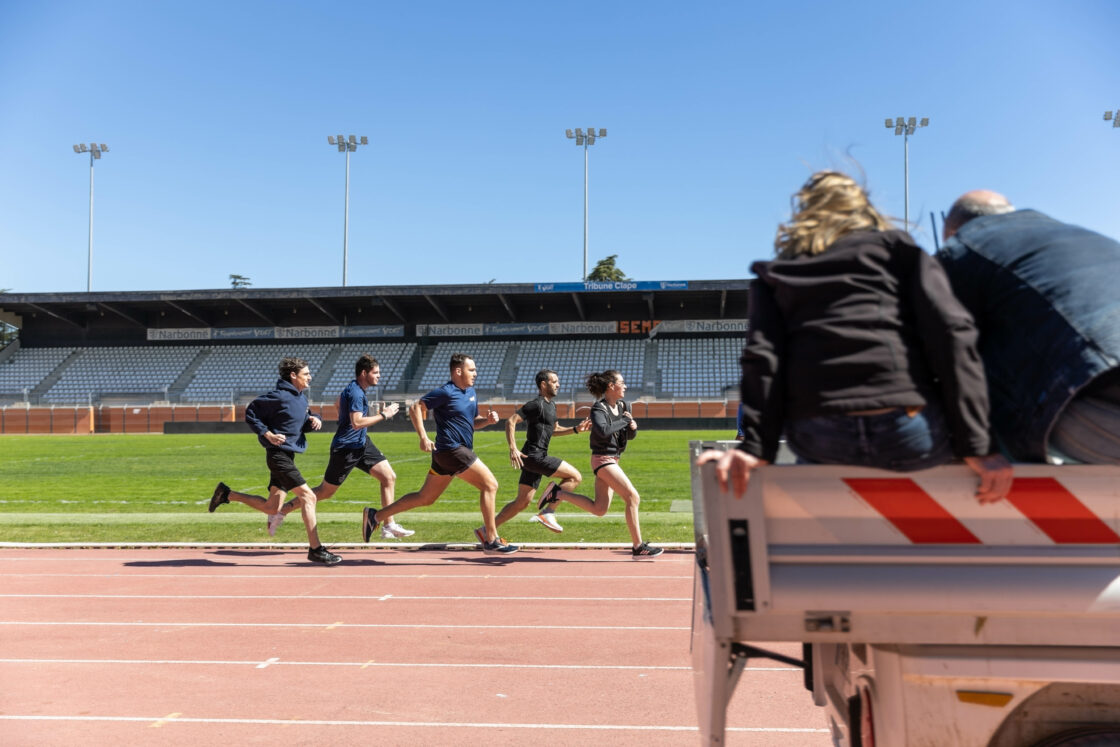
(343, 461)
(282, 469)
(454, 461)
(533, 468)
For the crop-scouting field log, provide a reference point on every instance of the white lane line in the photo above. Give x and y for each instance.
(349, 597)
(358, 576)
(410, 626)
(425, 724)
(366, 664)
(282, 557)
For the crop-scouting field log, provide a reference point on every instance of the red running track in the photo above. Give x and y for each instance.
(189, 646)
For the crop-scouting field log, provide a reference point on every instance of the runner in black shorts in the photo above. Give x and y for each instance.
(280, 419)
(352, 448)
(533, 460)
(455, 407)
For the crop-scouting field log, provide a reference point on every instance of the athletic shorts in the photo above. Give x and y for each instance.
(453, 461)
(282, 469)
(345, 460)
(598, 461)
(533, 468)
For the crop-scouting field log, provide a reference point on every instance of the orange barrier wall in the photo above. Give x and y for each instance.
(713, 410)
(151, 418)
(59, 420)
(686, 409)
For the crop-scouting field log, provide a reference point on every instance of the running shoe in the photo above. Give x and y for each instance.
(274, 522)
(547, 519)
(322, 555)
(369, 522)
(646, 550)
(480, 535)
(393, 530)
(221, 495)
(499, 547)
(548, 496)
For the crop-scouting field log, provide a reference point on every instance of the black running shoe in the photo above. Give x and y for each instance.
(646, 550)
(322, 555)
(499, 547)
(548, 496)
(369, 522)
(221, 495)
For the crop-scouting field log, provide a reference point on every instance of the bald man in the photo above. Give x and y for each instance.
(1045, 298)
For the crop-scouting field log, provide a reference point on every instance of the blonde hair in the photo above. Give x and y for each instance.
(828, 206)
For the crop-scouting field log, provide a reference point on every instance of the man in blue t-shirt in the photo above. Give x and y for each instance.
(351, 447)
(455, 408)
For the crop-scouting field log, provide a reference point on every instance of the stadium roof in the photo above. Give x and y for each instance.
(373, 305)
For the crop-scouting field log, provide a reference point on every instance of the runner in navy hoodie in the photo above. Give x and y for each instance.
(280, 419)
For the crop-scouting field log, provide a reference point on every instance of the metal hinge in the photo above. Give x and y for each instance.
(828, 622)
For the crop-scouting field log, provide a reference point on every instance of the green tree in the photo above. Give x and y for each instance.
(605, 269)
(239, 281)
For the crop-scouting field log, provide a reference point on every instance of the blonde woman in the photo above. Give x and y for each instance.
(858, 351)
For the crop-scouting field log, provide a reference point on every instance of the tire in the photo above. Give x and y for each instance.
(1090, 736)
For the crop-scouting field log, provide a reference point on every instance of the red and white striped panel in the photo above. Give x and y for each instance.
(1046, 506)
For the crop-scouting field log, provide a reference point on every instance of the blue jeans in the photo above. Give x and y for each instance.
(1088, 430)
(892, 440)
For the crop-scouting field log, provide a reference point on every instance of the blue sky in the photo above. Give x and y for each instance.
(217, 116)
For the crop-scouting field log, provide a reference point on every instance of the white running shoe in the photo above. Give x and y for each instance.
(548, 521)
(393, 530)
(274, 522)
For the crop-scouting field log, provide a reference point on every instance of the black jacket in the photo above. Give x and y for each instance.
(609, 433)
(869, 323)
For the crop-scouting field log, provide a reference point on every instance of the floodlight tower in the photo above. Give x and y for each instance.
(586, 139)
(347, 146)
(95, 152)
(1114, 116)
(906, 128)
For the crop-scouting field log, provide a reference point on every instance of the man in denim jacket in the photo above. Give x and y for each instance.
(1045, 299)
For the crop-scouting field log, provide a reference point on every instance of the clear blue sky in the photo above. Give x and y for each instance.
(217, 116)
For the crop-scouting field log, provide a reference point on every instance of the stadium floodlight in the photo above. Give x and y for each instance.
(890, 123)
(1114, 116)
(95, 152)
(906, 127)
(347, 146)
(585, 141)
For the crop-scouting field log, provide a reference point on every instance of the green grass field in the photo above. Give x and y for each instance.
(155, 488)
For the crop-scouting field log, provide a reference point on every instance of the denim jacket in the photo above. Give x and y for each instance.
(1044, 296)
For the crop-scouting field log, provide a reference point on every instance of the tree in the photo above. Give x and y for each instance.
(239, 281)
(605, 269)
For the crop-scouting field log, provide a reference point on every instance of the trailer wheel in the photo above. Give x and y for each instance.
(1102, 736)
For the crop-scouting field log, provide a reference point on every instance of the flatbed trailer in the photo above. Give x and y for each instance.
(925, 618)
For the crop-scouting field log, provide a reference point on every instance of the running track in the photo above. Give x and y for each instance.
(189, 646)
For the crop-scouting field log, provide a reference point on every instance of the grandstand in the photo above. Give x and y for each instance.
(573, 360)
(675, 341)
